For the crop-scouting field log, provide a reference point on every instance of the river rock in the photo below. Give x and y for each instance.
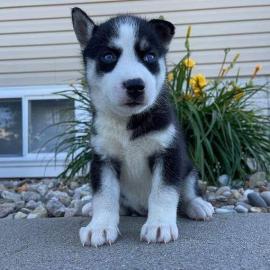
(55, 207)
(32, 204)
(224, 211)
(63, 197)
(241, 209)
(257, 179)
(19, 204)
(30, 195)
(236, 194)
(11, 196)
(39, 212)
(212, 188)
(256, 200)
(223, 180)
(70, 212)
(42, 189)
(255, 210)
(246, 205)
(6, 209)
(73, 185)
(266, 196)
(246, 192)
(20, 215)
(223, 189)
(82, 191)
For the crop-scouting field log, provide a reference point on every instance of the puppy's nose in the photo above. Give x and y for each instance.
(135, 88)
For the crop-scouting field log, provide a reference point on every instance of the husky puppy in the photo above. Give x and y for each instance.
(140, 160)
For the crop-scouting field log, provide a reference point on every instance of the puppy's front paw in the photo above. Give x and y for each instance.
(199, 209)
(162, 233)
(97, 235)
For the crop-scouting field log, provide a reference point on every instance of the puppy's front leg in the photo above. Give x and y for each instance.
(103, 227)
(162, 210)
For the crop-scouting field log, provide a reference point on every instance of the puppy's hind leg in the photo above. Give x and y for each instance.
(194, 205)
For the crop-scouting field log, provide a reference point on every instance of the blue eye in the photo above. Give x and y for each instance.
(108, 58)
(149, 58)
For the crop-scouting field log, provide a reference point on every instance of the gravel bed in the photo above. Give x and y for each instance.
(42, 198)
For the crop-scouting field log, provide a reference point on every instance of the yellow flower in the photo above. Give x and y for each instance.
(256, 70)
(189, 63)
(198, 82)
(170, 77)
(197, 92)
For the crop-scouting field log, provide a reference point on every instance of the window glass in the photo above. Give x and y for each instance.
(44, 117)
(10, 127)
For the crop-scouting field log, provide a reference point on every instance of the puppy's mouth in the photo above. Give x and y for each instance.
(133, 103)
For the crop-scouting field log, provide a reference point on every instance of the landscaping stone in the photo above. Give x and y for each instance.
(55, 198)
(255, 210)
(55, 207)
(32, 204)
(70, 212)
(10, 196)
(25, 211)
(236, 194)
(63, 197)
(212, 188)
(30, 195)
(6, 209)
(256, 200)
(42, 189)
(39, 212)
(266, 196)
(223, 180)
(246, 205)
(257, 179)
(224, 211)
(20, 215)
(221, 190)
(246, 192)
(228, 207)
(241, 209)
(19, 204)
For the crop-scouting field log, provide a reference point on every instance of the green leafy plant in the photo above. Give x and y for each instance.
(223, 128)
(75, 138)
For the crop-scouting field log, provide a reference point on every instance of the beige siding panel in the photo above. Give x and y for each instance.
(33, 52)
(30, 3)
(39, 78)
(38, 46)
(198, 43)
(67, 77)
(198, 29)
(103, 8)
(73, 51)
(208, 17)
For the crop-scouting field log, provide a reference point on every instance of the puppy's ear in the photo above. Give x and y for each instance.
(164, 29)
(83, 26)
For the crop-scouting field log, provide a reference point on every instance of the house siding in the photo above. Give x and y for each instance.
(38, 46)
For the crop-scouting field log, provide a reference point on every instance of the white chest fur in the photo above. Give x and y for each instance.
(113, 140)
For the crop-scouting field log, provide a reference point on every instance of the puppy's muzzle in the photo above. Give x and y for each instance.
(135, 91)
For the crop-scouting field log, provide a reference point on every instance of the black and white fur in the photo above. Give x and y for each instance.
(140, 160)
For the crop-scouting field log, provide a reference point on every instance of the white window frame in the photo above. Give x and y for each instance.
(32, 164)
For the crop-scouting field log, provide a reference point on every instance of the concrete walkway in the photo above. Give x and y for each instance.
(234, 241)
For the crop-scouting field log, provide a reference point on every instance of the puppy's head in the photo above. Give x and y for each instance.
(124, 59)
